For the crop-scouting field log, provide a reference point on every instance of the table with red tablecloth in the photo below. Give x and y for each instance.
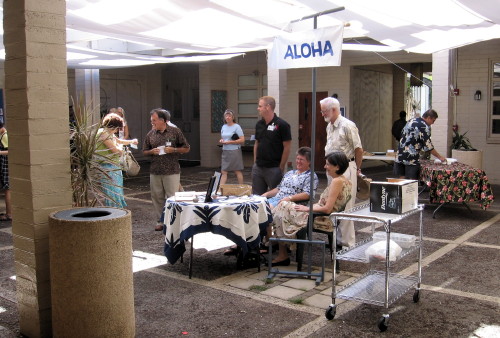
(456, 183)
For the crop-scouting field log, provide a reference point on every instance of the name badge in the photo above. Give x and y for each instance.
(168, 144)
(271, 127)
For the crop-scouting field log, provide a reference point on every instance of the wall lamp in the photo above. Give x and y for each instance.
(477, 95)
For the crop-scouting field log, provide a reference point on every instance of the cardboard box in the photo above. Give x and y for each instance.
(394, 197)
(236, 189)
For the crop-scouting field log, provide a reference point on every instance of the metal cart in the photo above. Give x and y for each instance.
(380, 288)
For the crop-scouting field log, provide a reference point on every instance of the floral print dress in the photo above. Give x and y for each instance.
(288, 221)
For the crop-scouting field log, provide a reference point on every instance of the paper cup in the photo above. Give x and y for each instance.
(162, 150)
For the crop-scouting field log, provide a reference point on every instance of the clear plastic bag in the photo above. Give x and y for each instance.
(377, 251)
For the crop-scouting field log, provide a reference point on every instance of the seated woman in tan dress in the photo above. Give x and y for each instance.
(289, 217)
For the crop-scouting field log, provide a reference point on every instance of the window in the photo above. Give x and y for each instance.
(494, 111)
(250, 88)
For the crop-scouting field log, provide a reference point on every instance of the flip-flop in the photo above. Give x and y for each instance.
(5, 218)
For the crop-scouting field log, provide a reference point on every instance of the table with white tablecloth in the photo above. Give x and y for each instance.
(240, 219)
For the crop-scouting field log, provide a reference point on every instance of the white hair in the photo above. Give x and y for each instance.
(330, 102)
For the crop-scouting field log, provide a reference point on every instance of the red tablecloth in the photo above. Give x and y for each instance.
(456, 182)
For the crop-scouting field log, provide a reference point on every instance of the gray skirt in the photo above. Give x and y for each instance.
(232, 160)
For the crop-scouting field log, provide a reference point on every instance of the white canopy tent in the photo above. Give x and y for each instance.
(124, 33)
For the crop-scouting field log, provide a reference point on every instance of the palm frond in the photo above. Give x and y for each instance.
(461, 141)
(87, 172)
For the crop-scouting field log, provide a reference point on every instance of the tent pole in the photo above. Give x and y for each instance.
(313, 159)
(309, 243)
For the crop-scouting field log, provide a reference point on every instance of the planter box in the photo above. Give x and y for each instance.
(474, 158)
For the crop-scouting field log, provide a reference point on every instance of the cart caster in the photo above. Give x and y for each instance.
(416, 296)
(383, 323)
(330, 312)
(369, 288)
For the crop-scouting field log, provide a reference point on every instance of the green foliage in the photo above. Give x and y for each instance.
(461, 142)
(87, 173)
(296, 300)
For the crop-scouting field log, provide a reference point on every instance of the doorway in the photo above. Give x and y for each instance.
(181, 96)
(304, 132)
(372, 94)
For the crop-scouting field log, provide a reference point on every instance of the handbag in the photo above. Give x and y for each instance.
(235, 137)
(129, 163)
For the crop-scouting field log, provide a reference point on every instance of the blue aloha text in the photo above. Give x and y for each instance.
(307, 50)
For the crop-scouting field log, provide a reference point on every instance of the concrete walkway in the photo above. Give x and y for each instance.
(460, 294)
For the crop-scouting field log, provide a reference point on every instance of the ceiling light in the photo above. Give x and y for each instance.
(216, 29)
(116, 63)
(288, 10)
(78, 56)
(368, 48)
(110, 12)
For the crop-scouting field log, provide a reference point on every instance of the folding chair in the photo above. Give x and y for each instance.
(302, 234)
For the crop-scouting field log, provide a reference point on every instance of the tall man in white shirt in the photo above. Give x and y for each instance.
(342, 135)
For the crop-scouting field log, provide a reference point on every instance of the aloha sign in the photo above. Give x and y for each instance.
(313, 48)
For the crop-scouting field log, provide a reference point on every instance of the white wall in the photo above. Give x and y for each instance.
(442, 103)
(223, 75)
(213, 76)
(472, 116)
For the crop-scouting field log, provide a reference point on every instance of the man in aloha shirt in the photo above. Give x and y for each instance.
(415, 137)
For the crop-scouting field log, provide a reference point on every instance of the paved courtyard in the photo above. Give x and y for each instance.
(460, 294)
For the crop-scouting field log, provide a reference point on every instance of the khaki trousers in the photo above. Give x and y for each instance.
(162, 187)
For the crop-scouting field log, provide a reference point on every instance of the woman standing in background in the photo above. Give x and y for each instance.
(110, 149)
(232, 138)
(123, 132)
(4, 173)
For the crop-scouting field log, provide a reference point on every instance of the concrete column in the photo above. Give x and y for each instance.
(87, 88)
(442, 102)
(37, 121)
(276, 86)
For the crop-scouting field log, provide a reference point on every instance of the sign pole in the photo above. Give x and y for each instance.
(320, 276)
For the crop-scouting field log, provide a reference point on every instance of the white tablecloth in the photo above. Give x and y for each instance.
(240, 219)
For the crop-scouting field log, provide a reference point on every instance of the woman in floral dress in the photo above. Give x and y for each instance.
(290, 217)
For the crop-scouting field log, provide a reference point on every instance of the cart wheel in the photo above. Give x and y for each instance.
(416, 296)
(330, 312)
(369, 288)
(383, 323)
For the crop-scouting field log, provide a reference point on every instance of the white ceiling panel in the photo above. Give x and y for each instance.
(161, 30)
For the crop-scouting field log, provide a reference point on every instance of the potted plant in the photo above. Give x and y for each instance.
(87, 173)
(463, 151)
(460, 141)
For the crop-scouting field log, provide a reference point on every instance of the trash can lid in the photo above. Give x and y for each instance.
(89, 214)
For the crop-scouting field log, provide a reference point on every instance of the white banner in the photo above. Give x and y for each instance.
(313, 48)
